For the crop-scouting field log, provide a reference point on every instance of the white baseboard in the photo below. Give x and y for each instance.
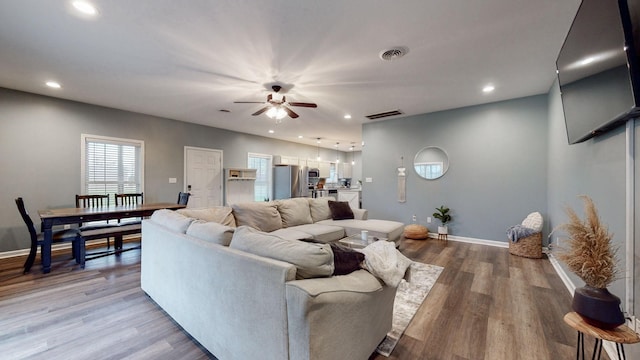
(501, 244)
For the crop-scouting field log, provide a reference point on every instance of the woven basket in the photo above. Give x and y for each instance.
(416, 232)
(529, 247)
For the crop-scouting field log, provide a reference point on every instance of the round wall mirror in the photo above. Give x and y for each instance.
(431, 163)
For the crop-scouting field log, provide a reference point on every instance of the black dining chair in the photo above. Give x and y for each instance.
(94, 201)
(37, 239)
(129, 199)
(183, 198)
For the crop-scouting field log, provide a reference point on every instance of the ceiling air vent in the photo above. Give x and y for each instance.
(384, 114)
(394, 54)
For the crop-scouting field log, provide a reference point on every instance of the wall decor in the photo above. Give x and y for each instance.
(431, 163)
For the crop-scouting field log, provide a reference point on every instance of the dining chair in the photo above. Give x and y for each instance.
(37, 239)
(183, 198)
(94, 201)
(129, 199)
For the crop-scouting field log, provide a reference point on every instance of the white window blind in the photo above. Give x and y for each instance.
(262, 163)
(111, 165)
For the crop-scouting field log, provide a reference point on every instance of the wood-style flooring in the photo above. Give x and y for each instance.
(486, 304)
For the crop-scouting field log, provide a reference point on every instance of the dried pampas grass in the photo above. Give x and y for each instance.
(590, 254)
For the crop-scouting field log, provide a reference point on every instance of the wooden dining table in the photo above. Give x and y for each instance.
(63, 216)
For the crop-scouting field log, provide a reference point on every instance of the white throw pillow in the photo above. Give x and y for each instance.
(311, 260)
(172, 220)
(533, 221)
(211, 231)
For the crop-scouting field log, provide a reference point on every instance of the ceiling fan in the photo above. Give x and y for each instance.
(276, 106)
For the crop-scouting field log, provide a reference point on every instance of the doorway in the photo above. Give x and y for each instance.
(203, 176)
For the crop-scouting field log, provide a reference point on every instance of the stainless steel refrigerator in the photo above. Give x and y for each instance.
(290, 181)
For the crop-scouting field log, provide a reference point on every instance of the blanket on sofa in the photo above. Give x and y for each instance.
(384, 261)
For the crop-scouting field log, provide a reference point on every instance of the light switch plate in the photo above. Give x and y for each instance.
(173, 180)
(368, 180)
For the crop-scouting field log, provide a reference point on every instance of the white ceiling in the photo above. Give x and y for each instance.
(186, 60)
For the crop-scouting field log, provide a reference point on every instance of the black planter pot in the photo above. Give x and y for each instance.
(598, 307)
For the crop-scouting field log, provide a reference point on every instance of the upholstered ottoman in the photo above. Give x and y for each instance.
(416, 232)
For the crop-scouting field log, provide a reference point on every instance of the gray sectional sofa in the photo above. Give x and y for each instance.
(241, 284)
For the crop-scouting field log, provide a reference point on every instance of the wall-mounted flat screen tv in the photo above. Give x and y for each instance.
(598, 68)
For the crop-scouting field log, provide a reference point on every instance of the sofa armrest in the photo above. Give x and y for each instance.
(360, 214)
(322, 312)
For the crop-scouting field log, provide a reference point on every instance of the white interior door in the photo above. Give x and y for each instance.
(203, 176)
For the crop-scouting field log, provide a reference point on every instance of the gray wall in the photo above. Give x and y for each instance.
(595, 168)
(497, 173)
(40, 147)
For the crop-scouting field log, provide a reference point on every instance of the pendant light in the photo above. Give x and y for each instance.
(337, 154)
(353, 161)
(318, 146)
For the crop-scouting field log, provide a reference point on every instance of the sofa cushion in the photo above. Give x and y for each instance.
(345, 260)
(321, 233)
(294, 212)
(310, 259)
(391, 230)
(219, 214)
(292, 234)
(211, 231)
(319, 208)
(263, 216)
(172, 220)
(340, 210)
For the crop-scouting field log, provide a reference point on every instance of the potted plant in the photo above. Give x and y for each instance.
(592, 256)
(442, 214)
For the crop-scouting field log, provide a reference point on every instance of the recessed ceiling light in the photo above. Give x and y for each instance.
(299, 136)
(271, 131)
(347, 116)
(488, 88)
(85, 7)
(53, 84)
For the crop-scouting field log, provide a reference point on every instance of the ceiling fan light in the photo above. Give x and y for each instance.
(277, 113)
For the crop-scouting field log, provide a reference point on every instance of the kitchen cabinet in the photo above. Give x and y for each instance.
(345, 170)
(325, 168)
(313, 164)
(351, 196)
(239, 185)
(286, 160)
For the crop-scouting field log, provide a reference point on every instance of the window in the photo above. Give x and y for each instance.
(112, 165)
(262, 163)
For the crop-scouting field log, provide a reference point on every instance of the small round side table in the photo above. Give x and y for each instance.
(620, 335)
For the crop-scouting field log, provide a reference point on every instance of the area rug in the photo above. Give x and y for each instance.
(409, 297)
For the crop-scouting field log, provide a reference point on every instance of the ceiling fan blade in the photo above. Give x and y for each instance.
(290, 112)
(249, 102)
(261, 111)
(309, 105)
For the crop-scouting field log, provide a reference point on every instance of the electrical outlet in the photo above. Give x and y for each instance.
(173, 180)
(429, 219)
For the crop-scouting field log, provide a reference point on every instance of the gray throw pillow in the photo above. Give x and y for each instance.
(294, 212)
(311, 260)
(211, 231)
(319, 208)
(263, 216)
(172, 220)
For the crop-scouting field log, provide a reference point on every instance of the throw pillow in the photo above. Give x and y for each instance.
(294, 212)
(340, 210)
(211, 231)
(319, 208)
(345, 260)
(263, 216)
(172, 220)
(219, 214)
(311, 260)
(533, 221)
